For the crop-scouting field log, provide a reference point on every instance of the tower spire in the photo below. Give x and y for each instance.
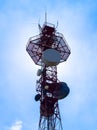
(45, 16)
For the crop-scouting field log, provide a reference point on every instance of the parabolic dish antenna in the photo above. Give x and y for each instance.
(51, 57)
(62, 91)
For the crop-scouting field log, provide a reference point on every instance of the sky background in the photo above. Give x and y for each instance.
(77, 21)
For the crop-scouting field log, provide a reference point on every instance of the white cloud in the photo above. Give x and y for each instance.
(16, 126)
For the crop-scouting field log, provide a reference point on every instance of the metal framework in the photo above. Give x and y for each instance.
(51, 123)
(48, 83)
(48, 38)
(49, 110)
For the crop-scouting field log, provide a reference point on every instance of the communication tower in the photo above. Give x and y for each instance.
(47, 50)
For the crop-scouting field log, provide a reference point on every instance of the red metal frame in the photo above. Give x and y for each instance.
(36, 46)
(48, 39)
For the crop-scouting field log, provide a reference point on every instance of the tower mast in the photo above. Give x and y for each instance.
(47, 50)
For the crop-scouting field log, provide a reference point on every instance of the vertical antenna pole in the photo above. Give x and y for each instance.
(45, 16)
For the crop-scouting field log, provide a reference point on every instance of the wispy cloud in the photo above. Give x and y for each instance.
(17, 126)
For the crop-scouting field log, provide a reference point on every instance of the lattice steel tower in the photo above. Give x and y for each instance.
(47, 50)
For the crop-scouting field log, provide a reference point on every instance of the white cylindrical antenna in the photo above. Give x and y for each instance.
(45, 16)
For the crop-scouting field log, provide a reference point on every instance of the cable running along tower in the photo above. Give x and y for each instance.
(47, 50)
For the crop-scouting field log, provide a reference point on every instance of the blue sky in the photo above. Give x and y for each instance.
(77, 21)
